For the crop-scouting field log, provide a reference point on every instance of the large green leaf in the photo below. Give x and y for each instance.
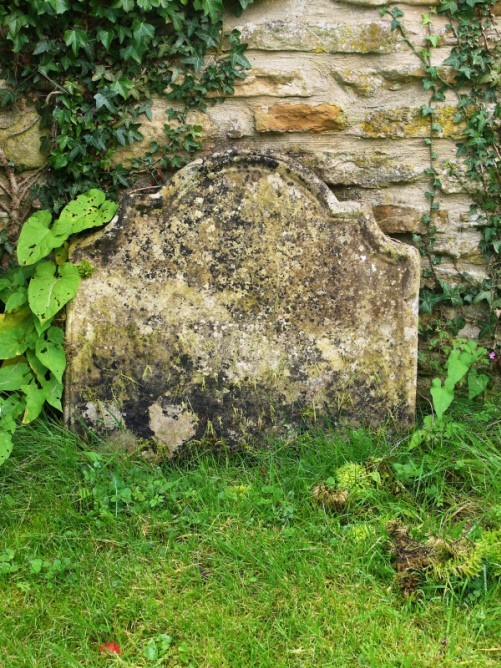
(14, 330)
(477, 383)
(50, 351)
(458, 364)
(14, 376)
(35, 399)
(36, 240)
(442, 396)
(49, 292)
(91, 209)
(53, 390)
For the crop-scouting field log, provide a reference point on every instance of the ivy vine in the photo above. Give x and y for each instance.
(472, 72)
(91, 68)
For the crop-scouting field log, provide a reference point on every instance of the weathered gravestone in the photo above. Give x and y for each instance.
(241, 298)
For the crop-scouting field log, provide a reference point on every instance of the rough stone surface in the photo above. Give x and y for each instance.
(300, 118)
(280, 35)
(242, 297)
(20, 138)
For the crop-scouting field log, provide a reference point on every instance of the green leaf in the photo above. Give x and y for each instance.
(442, 396)
(6, 446)
(14, 376)
(77, 39)
(48, 292)
(36, 240)
(14, 330)
(53, 390)
(49, 350)
(105, 37)
(59, 6)
(142, 31)
(91, 209)
(458, 364)
(35, 399)
(211, 8)
(477, 383)
(16, 299)
(104, 100)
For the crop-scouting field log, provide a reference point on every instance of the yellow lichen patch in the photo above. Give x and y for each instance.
(409, 122)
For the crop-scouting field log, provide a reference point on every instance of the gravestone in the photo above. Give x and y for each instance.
(241, 298)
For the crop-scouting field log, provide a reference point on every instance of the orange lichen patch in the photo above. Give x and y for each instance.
(300, 118)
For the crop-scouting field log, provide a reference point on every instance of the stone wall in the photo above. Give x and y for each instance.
(332, 86)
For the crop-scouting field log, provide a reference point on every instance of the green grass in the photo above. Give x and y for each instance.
(228, 561)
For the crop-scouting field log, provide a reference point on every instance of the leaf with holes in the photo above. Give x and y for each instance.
(50, 351)
(49, 292)
(91, 209)
(35, 399)
(36, 240)
(14, 330)
(14, 376)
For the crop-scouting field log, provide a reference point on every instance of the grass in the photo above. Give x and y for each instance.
(229, 561)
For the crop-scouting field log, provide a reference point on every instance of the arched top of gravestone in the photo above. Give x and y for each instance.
(292, 186)
(242, 297)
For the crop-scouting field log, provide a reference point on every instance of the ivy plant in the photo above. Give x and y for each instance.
(472, 73)
(33, 294)
(91, 69)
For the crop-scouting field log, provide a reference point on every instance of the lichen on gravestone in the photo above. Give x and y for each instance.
(242, 299)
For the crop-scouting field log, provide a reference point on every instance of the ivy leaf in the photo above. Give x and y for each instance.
(104, 99)
(6, 446)
(211, 8)
(105, 37)
(14, 376)
(49, 350)
(48, 292)
(36, 239)
(59, 6)
(142, 31)
(122, 87)
(126, 5)
(14, 330)
(77, 39)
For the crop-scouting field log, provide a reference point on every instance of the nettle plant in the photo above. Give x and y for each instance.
(91, 69)
(33, 294)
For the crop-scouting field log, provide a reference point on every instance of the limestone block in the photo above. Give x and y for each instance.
(241, 298)
(408, 122)
(20, 138)
(300, 118)
(460, 243)
(273, 83)
(323, 37)
(394, 219)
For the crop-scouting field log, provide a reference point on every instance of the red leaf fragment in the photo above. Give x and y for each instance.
(109, 648)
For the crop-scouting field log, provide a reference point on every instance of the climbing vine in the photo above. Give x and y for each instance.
(91, 69)
(472, 72)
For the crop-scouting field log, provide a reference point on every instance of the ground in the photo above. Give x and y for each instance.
(257, 559)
